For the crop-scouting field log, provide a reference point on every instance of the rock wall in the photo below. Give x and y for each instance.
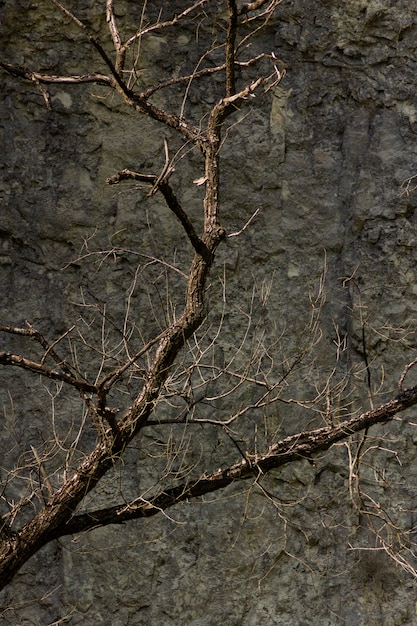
(325, 158)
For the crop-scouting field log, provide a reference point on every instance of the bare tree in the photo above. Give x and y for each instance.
(159, 374)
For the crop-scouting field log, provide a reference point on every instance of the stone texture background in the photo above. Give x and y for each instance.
(324, 157)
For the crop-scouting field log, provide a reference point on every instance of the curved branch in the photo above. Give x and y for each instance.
(6, 358)
(55, 518)
(161, 184)
(293, 448)
(111, 20)
(91, 38)
(138, 102)
(60, 507)
(32, 332)
(24, 72)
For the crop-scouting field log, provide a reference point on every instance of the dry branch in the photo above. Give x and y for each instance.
(6, 358)
(230, 82)
(160, 183)
(24, 72)
(303, 445)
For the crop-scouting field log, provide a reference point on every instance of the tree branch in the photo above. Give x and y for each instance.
(6, 358)
(126, 174)
(58, 514)
(108, 381)
(230, 49)
(293, 448)
(258, 4)
(111, 20)
(176, 208)
(136, 101)
(24, 72)
(91, 38)
(33, 333)
(159, 183)
(167, 23)
(226, 106)
(206, 71)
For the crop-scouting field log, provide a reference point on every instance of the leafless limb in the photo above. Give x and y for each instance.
(24, 72)
(303, 445)
(7, 358)
(159, 183)
(200, 73)
(230, 49)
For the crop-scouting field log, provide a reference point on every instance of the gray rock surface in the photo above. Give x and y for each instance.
(324, 158)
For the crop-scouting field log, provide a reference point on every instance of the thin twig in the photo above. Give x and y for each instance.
(207, 71)
(250, 220)
(167, 23)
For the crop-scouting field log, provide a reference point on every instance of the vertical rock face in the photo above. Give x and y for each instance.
(326, 158)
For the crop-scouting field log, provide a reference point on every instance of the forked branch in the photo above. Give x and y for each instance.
(161, 184)
(303, 445)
